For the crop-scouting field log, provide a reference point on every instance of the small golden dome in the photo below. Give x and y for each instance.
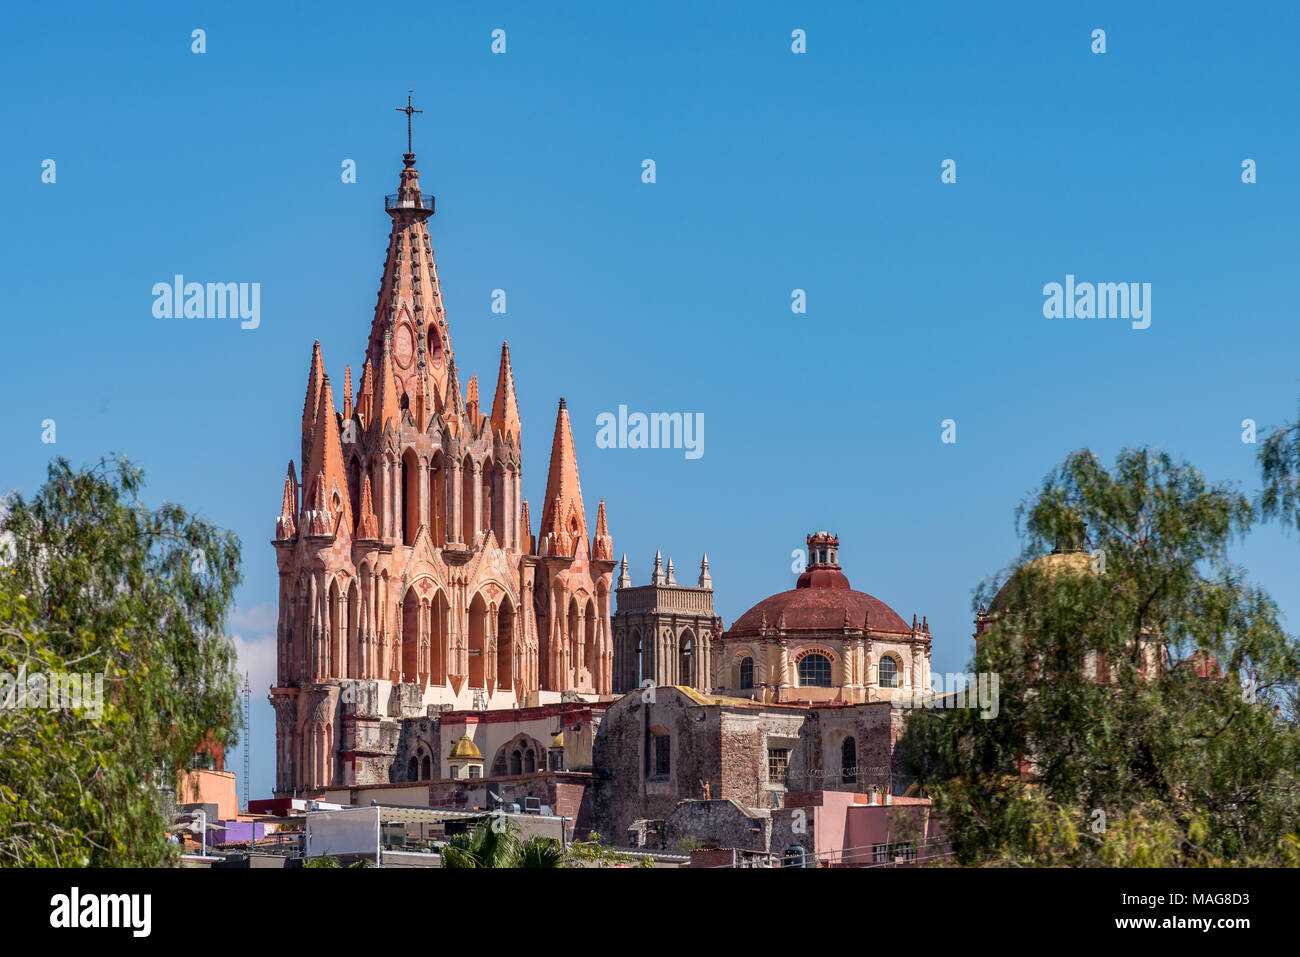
(558, 740)
(465, 749)
(1051, 565)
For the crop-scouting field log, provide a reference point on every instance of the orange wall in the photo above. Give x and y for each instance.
(209, 787)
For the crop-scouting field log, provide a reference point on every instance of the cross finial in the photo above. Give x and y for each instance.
(408, 110)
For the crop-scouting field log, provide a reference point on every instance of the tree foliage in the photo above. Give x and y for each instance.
(1109, 746)
(94, 582)
(496, 844)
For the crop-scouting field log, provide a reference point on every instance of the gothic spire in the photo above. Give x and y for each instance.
(705, 580)
(367, 523)
(563, 516)
(286, 525)
(505, 407)
(326, 462)
(311, 403)
(602, 546)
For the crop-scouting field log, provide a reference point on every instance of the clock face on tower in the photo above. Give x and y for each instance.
(404, 345)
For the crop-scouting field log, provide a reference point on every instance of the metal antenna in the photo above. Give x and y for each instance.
(248, 695)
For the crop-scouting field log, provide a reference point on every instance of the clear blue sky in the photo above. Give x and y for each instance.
(775, 171)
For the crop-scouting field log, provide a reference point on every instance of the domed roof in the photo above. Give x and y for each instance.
(1051, 564)
(465, 749)
(558, 740)
(821, 607)
(821, 600)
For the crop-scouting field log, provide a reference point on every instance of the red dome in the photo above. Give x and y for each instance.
(822, 599)
(820, 602)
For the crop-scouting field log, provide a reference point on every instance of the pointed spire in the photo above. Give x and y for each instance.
(347, 392)
(367, 523)
(286, 526)
(505, 407)
(366, 394)
(671, 577)
(409, 292)
(705, 580)
(311, 403)
(471, 401)
(563, 517)
(327, 460)
(317, 519)
(387, 409)
(453, 403)
(657, 576)
(602, 546)
(624, 579)
(526, 530)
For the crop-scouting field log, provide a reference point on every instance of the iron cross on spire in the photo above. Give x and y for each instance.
(408, 110)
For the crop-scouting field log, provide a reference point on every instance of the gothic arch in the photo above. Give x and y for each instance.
(467, 515)
(589, 657)
(354, 488)
(478, 637)
(687, 650)
(438, 499)
(487, 510)
(412, 628)
(410, 477)
(506, 650)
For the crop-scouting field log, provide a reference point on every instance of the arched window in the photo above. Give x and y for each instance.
(530, 761)
(426, 772)
(410, 497)
(849, 762)
(747, 672)
(888, 672)
(413, 770)
(815, 671)
(685, 674)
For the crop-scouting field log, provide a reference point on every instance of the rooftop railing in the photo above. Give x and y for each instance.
(397, 201)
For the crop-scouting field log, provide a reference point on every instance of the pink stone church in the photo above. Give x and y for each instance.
(409, 574)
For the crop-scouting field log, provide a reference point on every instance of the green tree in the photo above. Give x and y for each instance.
(94, 582)
(496, 844)
(1109, 746)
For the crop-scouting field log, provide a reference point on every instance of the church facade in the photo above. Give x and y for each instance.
(410, 579)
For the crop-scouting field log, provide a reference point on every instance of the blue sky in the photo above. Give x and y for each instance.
(775, 171)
